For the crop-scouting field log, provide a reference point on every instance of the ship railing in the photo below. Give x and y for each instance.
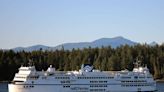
(110, 72)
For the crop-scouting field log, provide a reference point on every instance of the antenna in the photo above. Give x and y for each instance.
(137, 63)
(30, 63)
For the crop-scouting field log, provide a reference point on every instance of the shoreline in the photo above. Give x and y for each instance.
(160, 81)
(4, 81)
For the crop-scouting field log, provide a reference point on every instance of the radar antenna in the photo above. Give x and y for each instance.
(137, 64)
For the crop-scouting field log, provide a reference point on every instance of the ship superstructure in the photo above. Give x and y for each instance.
(86, 79)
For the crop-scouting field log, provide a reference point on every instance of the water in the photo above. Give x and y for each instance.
(3, 87)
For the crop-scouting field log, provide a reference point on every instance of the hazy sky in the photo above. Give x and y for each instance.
(52, 22)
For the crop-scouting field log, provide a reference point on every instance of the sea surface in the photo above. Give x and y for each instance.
(4, 88)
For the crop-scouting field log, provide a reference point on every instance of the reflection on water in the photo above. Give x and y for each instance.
(160, 87)
(3, 87)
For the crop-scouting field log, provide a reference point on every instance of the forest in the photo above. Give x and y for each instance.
(104, 58)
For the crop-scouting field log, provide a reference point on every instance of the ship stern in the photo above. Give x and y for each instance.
(15, 88)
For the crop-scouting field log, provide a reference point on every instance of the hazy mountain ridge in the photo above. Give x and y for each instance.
(113, 42)
(31, 48)
(153, 43)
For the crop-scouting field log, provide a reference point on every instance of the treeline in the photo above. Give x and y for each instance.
(105, 58)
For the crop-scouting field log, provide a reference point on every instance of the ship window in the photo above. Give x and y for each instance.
(62, 78)
(136, 77)
(25, 86)
(110, 77)
(141, 77)
(31, 86)
(66, 86)
(98, 85)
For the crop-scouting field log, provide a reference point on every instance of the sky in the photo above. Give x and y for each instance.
(52, 22)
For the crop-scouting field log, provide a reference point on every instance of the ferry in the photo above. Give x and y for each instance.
(87, 79)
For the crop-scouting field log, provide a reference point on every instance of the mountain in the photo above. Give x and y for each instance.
(31, 48)
(153, 43)
(113, 42)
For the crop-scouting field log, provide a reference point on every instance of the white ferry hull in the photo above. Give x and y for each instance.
(40, 88)
(59, 88)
